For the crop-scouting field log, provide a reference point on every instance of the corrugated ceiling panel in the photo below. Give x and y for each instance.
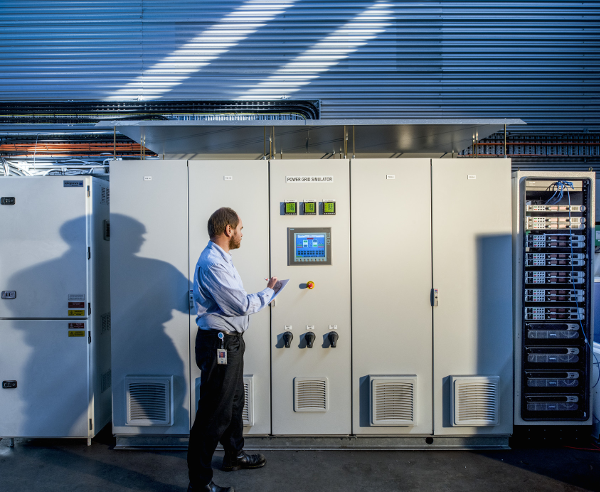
(535, 60)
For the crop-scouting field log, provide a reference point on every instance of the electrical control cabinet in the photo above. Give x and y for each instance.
(396, 320)
(48, 363)
(150, 298)
(54, 308)
(244, 187)
(553, 282)
(391, 306)
(311, 383)
(45, 227)
(472, 323)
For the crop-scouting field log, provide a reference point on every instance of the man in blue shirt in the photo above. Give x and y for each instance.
(224, 310)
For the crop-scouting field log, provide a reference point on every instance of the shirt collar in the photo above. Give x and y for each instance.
(221, 251)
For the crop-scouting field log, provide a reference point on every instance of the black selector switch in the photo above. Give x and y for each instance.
(7, 200)
(287, 338)
(310, 339)
(9, 384)
(333, 338)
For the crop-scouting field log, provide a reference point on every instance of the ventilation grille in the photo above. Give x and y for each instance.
(393, 400)
(104, 196)
(105, 381)
(105, 321)
(311, 394)
(248, 412)
(149, 400)
(474, 400)
(248, 415)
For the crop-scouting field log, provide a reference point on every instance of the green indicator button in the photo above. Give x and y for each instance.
(329, 208)
(309, 207)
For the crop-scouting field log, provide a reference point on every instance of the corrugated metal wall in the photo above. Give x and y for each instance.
(535, 60)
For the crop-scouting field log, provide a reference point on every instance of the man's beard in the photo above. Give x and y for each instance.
(234, 242)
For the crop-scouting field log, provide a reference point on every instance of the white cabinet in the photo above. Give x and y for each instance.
(244, 187)
(149, 291)
(54, 312)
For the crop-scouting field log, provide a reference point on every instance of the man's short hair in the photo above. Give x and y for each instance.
(220, 219)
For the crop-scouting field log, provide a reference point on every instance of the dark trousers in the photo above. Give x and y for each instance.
(219, 416)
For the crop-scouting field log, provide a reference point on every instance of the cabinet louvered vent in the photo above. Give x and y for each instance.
(149, 400)
(104, 197)
(105, 322)
(393, 400)
(474, 400)
(105, 381)
(248, 413)
(311, 394)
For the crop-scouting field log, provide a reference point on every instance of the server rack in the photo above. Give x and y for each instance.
(554, 246)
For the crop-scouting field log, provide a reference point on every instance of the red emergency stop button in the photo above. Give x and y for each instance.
(310, 284)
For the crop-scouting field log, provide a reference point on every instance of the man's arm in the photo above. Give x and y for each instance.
(227, 293)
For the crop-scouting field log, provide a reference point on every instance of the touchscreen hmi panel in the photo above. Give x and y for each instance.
(310, 247)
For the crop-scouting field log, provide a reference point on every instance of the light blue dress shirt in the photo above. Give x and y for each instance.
(221, 301)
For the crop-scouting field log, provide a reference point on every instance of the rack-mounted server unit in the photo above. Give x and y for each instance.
(553, 277)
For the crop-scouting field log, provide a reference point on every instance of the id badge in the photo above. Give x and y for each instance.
(222, 356)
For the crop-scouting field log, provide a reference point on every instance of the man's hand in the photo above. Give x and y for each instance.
(272, 282)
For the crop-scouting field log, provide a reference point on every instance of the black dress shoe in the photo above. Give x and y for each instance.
(243, 460)
(211, 487)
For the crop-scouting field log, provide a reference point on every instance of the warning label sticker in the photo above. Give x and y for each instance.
(76, 297)
(76, 305)
(76, 326)
(76, 312)
(77, 333)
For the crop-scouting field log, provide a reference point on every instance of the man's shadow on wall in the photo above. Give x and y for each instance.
(145, 292)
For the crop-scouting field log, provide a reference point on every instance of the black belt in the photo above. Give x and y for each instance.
(216, 333)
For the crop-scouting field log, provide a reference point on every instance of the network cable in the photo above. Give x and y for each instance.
(561, 186)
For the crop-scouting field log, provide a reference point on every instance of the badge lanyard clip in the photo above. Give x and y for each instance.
(221, 352)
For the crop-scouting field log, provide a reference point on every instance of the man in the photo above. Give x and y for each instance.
(224, 309)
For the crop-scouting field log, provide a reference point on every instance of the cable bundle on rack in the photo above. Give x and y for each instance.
(559, 191)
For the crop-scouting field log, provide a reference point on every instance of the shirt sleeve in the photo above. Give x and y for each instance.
(230, 295)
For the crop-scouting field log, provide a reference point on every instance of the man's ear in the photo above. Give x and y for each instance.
(228, 230)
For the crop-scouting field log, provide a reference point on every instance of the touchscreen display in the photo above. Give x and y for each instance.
(310, 247)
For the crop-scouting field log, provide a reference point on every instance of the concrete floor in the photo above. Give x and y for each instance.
(52, 464)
